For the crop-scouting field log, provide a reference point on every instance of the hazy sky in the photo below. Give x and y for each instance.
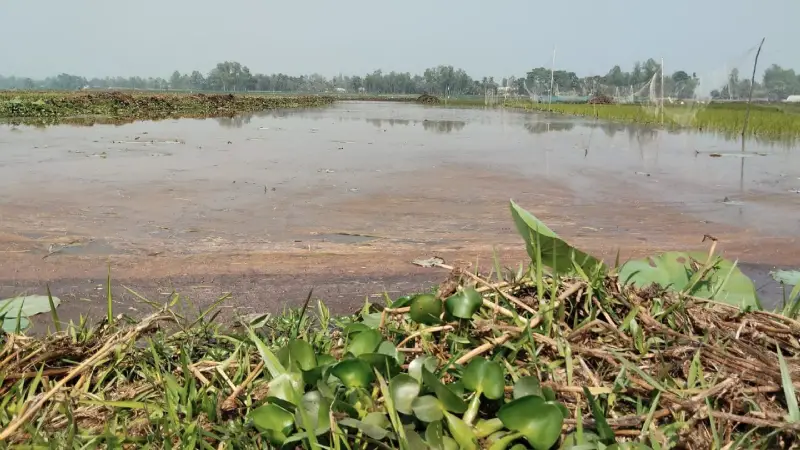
(499, 38)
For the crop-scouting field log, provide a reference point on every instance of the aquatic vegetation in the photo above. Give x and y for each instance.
(769, 121)
(56, 107)
(568, 351)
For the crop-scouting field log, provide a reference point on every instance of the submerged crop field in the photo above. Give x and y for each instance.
(766, 120)
(670, 351)
(44, 108)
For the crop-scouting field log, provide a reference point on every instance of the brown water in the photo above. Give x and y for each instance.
(306, 191)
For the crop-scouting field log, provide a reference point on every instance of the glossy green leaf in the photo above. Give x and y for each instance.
(373, 431)
(487, 377)
(450, 400)
(26, 306)
(588, 441)
(674, 271)
(275, 422)
(385, 364)
(463, 304)
(317, 409)
(554, 251)
(389, 349)
(538, 421)
(404, 389)
(527, 386)
(286, 386)
(378, 419)
(486, 427)
(415, 367)
(461, 432)
(403, 301)
(366, 341)
(10, 324)
(302, 355)
(354, 373)
(427, 408)
(434, 435)
(425, 309)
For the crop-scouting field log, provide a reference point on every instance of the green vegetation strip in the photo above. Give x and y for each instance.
(57, 107)
(672, 351)
(768, 121)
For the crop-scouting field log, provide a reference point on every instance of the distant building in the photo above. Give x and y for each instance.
(341, 90)
(793, 99)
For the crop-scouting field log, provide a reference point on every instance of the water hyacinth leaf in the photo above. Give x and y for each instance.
(354, 373)
(553, 250)
(415, 367)
(461, 432)
(26, 306)
(587, 440)
(486, 427)
(366, 341)
(787, 277)
(464, 304)
(484, 376)
(285, 387)
(373, 431)
(402, 301)
(377, 419)
(10, 324)
(434, 435)
(425, 309)
(385, 364)
(317, 408)
(275, 422)
(674, 270)
(404, 389)
(427, 408)
(527, 386)
(449, 400)
(389, 349)
(302, 355)
(538, 421)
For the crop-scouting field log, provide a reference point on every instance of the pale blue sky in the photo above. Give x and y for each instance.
(498, 38)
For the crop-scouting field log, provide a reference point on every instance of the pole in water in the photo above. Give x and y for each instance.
(552, 70)
(662, 91)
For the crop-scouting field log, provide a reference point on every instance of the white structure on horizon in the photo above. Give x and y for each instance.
(792, 99)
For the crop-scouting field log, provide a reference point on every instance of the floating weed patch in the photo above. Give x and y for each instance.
(44, 108)
(549, 357)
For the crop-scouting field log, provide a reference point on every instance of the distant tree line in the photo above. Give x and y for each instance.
(231, 76)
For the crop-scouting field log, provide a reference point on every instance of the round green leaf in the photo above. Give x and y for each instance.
(427, 408)
(434, 435)
(10, 324)
(378, 419)
(482, 375)
(538, 421)
(450, 400)
(404, 389)
(275, 422)
(464, 304)
(527, 386)
(366, 341)
(302, 355)
(415, 367)
(316, 408)
(461, 432)
(385, 364)
(425, 309)
(571, 441)
(389, 349)
(354, 373)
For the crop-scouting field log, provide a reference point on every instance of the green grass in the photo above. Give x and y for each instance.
(768, 121)
(562, 353)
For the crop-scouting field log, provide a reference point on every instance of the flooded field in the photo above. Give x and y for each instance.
(342, 198)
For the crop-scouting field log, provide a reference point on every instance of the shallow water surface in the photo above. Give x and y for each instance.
(386, 176)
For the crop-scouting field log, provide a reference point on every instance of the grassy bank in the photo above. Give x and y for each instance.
(567, 352)
(767, 121)
(82, 107)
